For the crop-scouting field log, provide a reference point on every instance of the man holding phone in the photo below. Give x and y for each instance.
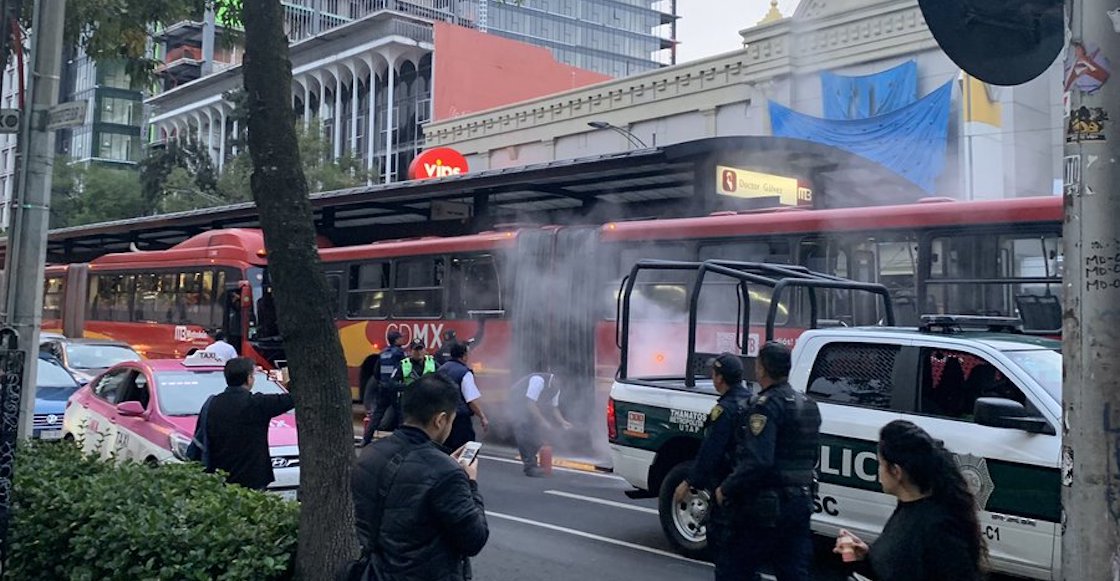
(417, 511)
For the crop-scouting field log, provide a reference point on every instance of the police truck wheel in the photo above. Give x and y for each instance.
(683, 522)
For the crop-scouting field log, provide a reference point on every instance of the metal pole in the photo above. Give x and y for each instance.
(31, 205)
(1091, 332)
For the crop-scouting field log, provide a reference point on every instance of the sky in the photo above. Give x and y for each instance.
(710, 27)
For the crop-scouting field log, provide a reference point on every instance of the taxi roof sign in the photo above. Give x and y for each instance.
(204, 359)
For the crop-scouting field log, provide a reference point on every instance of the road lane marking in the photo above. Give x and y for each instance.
(595, 537)
(602, 501)
(556, 468)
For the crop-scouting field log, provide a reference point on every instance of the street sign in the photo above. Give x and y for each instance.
(65, 115)
(9, 120)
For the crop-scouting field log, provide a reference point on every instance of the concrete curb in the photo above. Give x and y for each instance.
(511, 453)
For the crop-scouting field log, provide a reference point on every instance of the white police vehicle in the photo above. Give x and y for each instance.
(993, 396)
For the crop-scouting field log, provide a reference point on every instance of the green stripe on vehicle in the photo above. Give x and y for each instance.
(1003, 487)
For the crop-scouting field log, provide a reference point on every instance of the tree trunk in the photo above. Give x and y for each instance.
(318, 370)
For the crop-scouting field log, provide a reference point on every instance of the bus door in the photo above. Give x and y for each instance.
(235, 320)
(893, 262)
(832, 256)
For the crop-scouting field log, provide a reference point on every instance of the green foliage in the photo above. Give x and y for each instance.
(119, 29)
(179, 177)
(323, 174)
(95, 193)
(78, 518)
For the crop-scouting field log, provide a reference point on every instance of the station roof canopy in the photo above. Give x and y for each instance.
(670, 181)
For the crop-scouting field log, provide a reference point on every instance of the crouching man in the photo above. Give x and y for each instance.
(417, 510)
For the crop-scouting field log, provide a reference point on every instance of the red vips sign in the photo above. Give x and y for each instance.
(439, 162)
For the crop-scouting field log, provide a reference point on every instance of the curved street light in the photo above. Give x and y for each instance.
(633, 139)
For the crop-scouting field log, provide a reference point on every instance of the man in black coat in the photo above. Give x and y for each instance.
(417, 510)
(236, 424)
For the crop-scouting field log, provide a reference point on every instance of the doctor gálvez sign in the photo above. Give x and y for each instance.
(741, 183)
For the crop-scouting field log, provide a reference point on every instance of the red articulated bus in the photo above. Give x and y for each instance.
(544, 298)
(166, 302)
(992, 258)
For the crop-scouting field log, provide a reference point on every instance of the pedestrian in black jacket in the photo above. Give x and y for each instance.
(236, 424)
(418, 512)
(934, 532)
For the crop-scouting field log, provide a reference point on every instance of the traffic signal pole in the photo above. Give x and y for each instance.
(1090, 460)
(27, 249)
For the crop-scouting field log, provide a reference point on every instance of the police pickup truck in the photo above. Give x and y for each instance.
(992, 394)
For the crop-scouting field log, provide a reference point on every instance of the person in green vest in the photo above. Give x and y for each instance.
(416, 365)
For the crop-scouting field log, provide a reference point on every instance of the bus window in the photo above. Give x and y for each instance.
(418, 287)
(896, 263)
(110, 297)
(719, 299)
(52, 298)
(154, 298)
(830, 257)
(982, 274)
(474, 286)
(368, 292)
(192, 302)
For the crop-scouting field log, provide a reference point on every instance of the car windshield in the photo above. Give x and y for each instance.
(1044, 366)
(54, 382)
(182, 393)
(93, 356)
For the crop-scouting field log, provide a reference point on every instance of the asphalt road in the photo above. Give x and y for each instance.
(575, 526)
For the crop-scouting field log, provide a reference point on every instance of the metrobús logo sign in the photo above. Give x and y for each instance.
(186, 334)
(439, 162)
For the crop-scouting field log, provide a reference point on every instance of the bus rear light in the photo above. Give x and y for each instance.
(612, 426)
(659, 358)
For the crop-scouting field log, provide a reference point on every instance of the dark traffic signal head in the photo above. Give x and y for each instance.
(1000, 42)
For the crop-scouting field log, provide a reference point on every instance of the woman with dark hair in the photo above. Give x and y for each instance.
(934, 532)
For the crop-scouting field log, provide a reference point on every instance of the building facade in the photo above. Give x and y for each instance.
(1001, 142)
(369, 86)
(614, 37)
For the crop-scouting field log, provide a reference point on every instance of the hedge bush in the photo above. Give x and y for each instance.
(80, 518)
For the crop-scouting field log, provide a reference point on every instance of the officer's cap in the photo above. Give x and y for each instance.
(729, 366)
(416, 344)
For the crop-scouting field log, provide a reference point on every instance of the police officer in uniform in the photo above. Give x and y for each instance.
(717, 452)
(416, 365)
(377, 396)
(459, 372)
(770, 492)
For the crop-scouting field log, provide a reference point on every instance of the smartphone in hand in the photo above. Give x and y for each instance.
(469, 453)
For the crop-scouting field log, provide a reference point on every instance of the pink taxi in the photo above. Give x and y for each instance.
(146, 411)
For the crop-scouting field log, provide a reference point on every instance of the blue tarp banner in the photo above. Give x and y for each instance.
(910, 140)
(871, 95)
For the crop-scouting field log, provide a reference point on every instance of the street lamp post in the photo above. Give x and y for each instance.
(629, 135)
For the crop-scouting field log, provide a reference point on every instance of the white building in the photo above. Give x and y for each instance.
(1001, 142)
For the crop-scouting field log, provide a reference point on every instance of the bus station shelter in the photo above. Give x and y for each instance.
(722, 174)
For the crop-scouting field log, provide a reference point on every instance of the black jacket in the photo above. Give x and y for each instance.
(433, 517)
(237, 434)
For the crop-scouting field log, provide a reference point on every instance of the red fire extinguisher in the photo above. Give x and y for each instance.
(545, 458)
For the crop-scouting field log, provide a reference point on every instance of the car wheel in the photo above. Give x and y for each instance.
(151, 462)
(684, 523)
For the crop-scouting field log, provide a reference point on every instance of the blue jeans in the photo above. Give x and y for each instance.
(787, 548)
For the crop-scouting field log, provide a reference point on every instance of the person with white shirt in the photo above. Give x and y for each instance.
(221, 348)
(457, 370)
(535, 406)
